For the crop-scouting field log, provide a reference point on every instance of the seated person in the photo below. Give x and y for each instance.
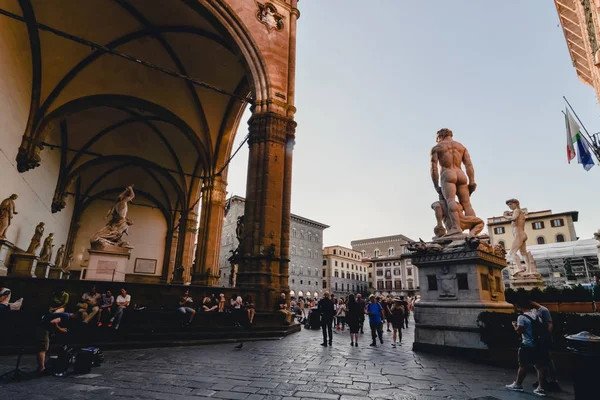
(250, 308)
(59, 300)
(106, 303)
(92, 302)
(186, 307)
(123, 301)
(282, 306)
(221, 302)
(4, 302)
(208, 305)
(52, 322)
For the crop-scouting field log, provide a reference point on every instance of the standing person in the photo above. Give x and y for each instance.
(326, 309)
(353, 315)
(55, 322)
(528, 353)
(123, 301)
(341, 315)
(551, 383)
(361, 318)
(595, 293)
(397, 318)
(376, 318)
(404, 304)
(386, 304)
(108, 300)
(186, 307)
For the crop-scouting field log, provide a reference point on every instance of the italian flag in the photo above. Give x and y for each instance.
(575, 138)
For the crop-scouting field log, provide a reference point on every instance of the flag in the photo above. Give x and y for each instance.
(575, 138)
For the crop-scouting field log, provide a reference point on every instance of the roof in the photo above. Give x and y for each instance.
(294, 217)
(381, 239)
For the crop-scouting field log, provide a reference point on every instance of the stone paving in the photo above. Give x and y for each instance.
(296, 367)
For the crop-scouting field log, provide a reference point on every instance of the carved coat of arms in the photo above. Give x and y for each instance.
(267, 14)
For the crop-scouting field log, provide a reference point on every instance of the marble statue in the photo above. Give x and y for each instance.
(450, 181)
(597, 235)
(60, 254)
(36, 240)
(46, 253)
(110, 237)
(7, 210)
(517, 219)
(471, 223)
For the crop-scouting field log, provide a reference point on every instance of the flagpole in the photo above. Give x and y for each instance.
(589, 141)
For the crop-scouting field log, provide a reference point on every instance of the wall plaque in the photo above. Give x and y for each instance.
(145, 266)
(106, 267)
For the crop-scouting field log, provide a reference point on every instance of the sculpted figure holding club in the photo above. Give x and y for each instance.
(450, 181)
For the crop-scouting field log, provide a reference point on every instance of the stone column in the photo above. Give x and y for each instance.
(268, 193)
(286, 211)
(189, 248)
(212, 212)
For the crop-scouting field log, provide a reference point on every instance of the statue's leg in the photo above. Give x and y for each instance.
(524, 254)
(448, 184)
(464, 198)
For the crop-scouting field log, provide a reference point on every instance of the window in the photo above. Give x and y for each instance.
(316, 237)
(293, 281)
(336, 286)
(364, 254)
(301, 270)
(379, 285)
(294, 232)
(380, 264)
(324, 262)
(541, 240)
(501, 243)
(391, 251)
(301, 251)
(410, 285)
(379, 273)
(293, 249)
(301, 234)
(396, 271)
(370, 275)
(334, 252)
(310, 253)
(335, 262)
(538, 225)
(309, 282)
(336, 274)
(397, 284)
(301, 281)
(431, 282)
(388, 273)
(560, 238)
(555, 223)
(310, 236)
(463, 282)
(388, 285)
(309, 271)
(499, 230)
(324, 284)
(343, 275)
(377, 253)
(485, 283)
(408, 271)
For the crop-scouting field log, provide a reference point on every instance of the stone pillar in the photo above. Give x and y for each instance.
(284, 279)
(189, 248)
(268, 193)
(212, 212)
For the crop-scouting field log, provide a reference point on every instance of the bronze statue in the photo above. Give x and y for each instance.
(36, 240)
(7, 210)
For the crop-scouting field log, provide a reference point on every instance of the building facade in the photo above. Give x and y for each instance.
(344, 272)
(306, 251)
(541, 227)
(391, 273)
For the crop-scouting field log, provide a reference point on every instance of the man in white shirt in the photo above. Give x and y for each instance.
(123, 301)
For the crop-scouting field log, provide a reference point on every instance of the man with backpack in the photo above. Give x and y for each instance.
(529, 325)
(551, 383)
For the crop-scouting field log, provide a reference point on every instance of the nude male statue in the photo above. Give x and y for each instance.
(517, 218)
(450, 180)
(7, 210)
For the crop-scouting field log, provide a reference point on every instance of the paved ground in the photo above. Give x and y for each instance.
(292, 368)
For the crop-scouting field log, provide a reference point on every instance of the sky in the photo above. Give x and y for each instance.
(374, 83)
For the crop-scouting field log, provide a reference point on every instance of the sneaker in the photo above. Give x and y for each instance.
(324, 344)
(356, 344)
(514, 387)
(351, 343)
(539, 392)
(381, 341)
(393, 344)
(373, 344)
(99, 324)
(110, 325)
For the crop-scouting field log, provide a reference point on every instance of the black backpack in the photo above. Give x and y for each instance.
(540, 334)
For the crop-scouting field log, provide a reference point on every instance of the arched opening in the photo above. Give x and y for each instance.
(560, 238)
(541, 240)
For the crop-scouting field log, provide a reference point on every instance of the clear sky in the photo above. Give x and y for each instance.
(376, 80)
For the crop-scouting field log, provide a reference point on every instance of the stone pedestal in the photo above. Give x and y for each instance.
(527, 282)
(107, 265)
(55, 273)
(23, 264)
(41, 269)
(457, 284)
(6, 249)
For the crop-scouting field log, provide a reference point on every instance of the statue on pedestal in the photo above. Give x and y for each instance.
(60, 253)
(517, 218)
(36, 240)
(46, 253)
(7, 210)
(450, 181)
(110, 237)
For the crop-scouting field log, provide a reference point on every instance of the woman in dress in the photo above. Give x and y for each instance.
(353, 315)
(341, 315)
(250, 308)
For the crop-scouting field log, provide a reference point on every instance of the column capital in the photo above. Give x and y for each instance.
(270, 127)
